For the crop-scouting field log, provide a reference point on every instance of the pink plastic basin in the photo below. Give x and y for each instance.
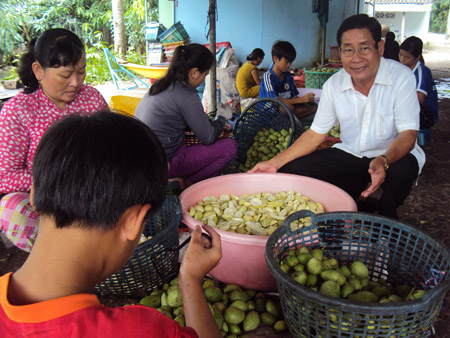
(243, 261)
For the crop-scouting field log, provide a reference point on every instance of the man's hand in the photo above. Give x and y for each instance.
(200, 256)
(377, 174)
(263, 167)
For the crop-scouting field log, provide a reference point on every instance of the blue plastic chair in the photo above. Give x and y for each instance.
(115, 69)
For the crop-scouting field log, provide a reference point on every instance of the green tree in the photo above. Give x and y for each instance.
(439, 16)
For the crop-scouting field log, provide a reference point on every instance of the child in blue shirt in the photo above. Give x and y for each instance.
(278, 83)
(411, 55)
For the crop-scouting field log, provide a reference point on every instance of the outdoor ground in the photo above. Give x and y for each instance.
(427, 206)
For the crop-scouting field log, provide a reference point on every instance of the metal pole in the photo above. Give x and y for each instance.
(324, 38)
(212, 48)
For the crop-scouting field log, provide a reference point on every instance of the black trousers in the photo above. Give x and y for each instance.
(350, 173)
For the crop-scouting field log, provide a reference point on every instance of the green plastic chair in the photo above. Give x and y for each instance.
(115, 69)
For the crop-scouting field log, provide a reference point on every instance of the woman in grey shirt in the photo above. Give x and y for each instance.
(173, 106)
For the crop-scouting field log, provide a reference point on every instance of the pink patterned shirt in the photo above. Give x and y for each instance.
(23, 120)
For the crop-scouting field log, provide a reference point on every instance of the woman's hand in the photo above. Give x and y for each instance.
(263, 167)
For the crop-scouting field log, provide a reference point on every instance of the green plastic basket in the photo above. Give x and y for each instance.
(264, 113)
(316, 79)
(154, 261)
(174, 34)
(396, 252)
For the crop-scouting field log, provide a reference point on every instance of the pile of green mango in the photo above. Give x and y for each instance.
(323, 273)
(324, 69)
(267, 143)
(236, 311)
(334, 132)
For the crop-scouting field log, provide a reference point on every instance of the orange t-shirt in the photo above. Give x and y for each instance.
(82, 315)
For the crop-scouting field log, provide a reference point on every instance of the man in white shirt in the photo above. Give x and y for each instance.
(375, 102)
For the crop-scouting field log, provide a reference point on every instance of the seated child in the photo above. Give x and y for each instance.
(278, 83)
(95, 181)
(411, 56)
(247, 78)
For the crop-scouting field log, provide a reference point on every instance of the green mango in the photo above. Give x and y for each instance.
(153, 301)
(333, 275)
(280, 326)
(213, 294)
(239, 295)
(330, 288)
(359, 269)
(363, 296)
(174, 298)
(251, 321)
(240, 304)
(268, 318)
(314, 266)
(234, 315)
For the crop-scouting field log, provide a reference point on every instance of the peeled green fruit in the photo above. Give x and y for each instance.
(268, 318)
(251, 321)
(359, 269)
(234, 315)
(213, 294)
(345, 271)
(356, 283)
(314, 266)
(330, 288)
(153, 301)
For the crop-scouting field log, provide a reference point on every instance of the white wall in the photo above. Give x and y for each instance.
(416, 23)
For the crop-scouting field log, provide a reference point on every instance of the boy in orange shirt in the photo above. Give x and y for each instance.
(95, 181)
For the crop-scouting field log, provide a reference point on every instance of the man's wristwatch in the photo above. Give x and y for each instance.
(386, 161)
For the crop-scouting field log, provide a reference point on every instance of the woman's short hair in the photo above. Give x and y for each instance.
(88, 170)
(54, 48)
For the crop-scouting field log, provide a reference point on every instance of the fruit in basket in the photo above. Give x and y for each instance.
(333, 278)
(255, 214)
(267, 144)
(242, 314)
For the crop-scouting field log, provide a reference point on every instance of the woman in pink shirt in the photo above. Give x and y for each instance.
(52, 71)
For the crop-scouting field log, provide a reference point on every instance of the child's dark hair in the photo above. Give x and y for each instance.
(54, 48)
(88, 170)
(360, 21)
(256, 53)
(414, 46)
(184, 59)
(284, 49)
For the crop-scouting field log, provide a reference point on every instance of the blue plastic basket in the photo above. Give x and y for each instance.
(264, 113)
(155, 261)
(394, 251)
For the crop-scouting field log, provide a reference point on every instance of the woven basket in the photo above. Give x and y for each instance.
(264, 113)
(316, 79)
(391, 250)
(155, 261)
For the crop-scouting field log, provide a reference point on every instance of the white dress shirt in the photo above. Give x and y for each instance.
(370, 123)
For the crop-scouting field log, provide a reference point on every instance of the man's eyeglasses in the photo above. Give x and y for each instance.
(348, 52)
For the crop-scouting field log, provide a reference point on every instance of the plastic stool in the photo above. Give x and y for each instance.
(424, 136)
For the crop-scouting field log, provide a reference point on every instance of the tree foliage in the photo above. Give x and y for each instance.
(91, 20)
(439, 16)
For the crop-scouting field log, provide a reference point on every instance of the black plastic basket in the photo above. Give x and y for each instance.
(396, 252)
(155, 261)
(264, 113)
